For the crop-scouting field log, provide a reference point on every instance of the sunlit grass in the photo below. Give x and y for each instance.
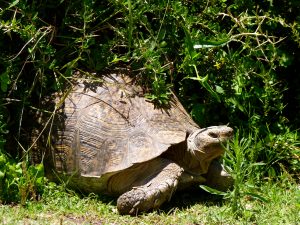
(193, 207)
(254, 199)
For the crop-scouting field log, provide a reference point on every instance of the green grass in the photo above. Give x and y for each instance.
(255, 199)
(196, 207)
(242, 73)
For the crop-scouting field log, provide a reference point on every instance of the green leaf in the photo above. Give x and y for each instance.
(204, 82)
(212, 190)
(13, 4)
(211, 44)
(4, 79)
(2, 160)
(258, 164)
(219, 89)
(236, 104)
(257, 197)
(2, 174)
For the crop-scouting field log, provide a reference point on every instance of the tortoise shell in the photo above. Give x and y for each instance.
(109, 126)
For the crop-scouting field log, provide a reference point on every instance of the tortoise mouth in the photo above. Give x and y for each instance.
(210, 136)
(213, 151)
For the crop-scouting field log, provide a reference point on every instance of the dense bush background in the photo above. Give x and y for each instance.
(233, 62)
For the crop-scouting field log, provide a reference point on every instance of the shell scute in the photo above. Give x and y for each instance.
(110, 127)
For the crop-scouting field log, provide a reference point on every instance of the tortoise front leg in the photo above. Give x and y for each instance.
(156, 185)
(217, 177)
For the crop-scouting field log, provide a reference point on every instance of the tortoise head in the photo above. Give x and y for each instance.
(206, 144)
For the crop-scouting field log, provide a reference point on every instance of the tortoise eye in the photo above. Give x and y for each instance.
(213, 134)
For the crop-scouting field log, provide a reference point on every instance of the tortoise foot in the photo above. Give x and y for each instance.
(153, 194)
(218, 178)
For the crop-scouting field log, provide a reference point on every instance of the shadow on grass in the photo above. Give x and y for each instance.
(181, 200)
(185, 199)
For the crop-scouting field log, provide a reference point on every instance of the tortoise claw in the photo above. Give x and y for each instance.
(152, 194)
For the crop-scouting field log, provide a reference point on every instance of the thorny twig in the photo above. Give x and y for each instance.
(258, 35)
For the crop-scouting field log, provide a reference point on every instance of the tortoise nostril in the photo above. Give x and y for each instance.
(213, 135)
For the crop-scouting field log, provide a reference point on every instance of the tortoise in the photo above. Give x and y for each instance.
(108, 138)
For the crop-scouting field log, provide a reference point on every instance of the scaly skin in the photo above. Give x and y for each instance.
(148, 185)
(217, 177)
(154, 193)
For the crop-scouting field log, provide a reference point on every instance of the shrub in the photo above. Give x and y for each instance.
(229, 61)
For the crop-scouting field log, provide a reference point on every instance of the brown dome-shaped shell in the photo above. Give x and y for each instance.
(110, 126)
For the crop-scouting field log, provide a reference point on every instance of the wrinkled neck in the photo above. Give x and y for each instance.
(186, 159)
(195, 164)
